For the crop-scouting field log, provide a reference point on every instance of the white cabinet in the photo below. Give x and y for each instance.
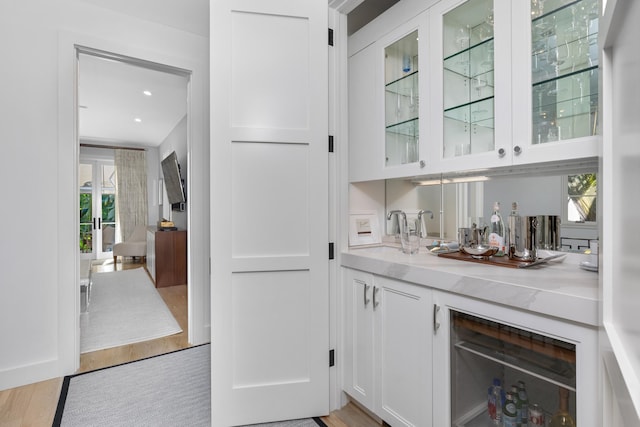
(386, 116)
(388, 347)
(358, 336)
(498, 83)
(513, 85)
(471, 84)
(477, 341)
(555, 80)
(366, 140)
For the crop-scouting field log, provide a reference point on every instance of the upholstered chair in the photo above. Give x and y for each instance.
(134, 246)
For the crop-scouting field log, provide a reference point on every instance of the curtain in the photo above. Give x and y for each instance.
(131, 190)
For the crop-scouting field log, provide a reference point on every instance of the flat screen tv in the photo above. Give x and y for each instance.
(172, 179)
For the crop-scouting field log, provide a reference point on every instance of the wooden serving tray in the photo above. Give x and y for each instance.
(501, 261)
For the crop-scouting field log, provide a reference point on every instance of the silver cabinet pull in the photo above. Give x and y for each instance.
(436, 324)
(375, 300)
(517, 150)
(366, 300)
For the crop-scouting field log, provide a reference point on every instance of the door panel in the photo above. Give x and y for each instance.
(269, 192)
(97, 209)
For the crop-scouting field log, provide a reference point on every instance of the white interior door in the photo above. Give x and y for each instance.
(269, 227)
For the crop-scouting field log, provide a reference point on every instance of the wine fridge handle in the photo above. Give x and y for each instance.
(436, 324)
(366, 300)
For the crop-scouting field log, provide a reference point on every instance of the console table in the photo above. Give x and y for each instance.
(167, 256)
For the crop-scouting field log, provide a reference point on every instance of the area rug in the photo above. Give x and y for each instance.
(172, 389)
(169, 390)
(124, 308)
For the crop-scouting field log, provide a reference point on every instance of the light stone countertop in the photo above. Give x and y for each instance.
(558, 289)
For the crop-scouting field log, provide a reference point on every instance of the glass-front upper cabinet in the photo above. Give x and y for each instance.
(471, 93)
(401, 97)
(564, 69)
(561, 80)
(386, 85)
(468, 79)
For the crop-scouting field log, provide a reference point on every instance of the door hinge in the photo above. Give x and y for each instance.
(331, 143)
(331, 251)
(332, 357)
(330, 37)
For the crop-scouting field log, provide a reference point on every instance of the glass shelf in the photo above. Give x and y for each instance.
(402, 100)
(471, 62)
(408, 128)
(477, 112)
(404, 85)
(538, 356)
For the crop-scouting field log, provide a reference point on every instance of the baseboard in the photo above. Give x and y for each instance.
(29, 374)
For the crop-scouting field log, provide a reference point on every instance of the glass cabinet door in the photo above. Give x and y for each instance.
(493, 362)
(401, 101)
(468, 89)
(564, 69)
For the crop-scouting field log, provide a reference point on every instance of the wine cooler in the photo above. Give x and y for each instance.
(506, 376)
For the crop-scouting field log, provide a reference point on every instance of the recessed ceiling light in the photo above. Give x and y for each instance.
(147, 92)
(137, 120)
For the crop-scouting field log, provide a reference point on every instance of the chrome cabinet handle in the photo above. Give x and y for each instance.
(517, 150)
(366, 300)
(375, 300)
(501, 152)
(436, 324)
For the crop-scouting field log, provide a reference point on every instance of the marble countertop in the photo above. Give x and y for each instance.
(558, 289)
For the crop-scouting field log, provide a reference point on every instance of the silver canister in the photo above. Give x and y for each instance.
(549, 232)
(523, 237)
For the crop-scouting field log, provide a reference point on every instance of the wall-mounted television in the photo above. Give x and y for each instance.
(172, 179)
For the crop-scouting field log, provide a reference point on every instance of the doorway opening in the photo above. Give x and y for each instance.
(131, 104)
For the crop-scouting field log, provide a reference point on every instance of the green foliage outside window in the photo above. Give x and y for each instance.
(582, 197)
(86, 218)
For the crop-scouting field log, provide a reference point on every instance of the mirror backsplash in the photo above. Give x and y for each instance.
(455, 205)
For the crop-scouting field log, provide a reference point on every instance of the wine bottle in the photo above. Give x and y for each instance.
(497, 231)
(516, 398)
(524, 398)
(509, 411)
(562, 418)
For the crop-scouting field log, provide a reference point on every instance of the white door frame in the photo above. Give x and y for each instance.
(68, 216)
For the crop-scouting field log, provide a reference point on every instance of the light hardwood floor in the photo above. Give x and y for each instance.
(34, 405)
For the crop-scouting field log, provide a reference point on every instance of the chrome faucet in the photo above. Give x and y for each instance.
(398, 212)
(419, 222)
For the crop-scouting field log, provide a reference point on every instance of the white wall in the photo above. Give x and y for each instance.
(38, 249)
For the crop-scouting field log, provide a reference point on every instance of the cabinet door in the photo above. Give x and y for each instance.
(366, 152)
(471, 84)
(385, 113)
(403, 352)
(358, 351)
(555, 80)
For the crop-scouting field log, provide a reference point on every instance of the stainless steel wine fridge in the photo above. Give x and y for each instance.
(507, 376)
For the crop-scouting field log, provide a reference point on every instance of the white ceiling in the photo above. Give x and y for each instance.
(110, 97)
